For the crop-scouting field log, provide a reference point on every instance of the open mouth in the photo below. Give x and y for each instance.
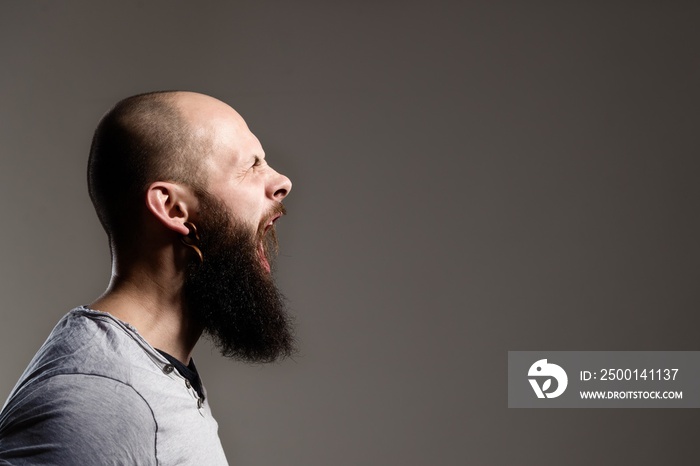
(267, 242)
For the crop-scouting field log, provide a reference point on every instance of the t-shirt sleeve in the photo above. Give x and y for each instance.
(77, 419)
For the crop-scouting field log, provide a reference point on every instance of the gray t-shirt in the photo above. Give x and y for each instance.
(97, 393)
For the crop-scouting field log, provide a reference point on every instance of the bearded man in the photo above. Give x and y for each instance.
(188, 202)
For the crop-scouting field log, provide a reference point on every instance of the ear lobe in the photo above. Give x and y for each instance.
(169, 203)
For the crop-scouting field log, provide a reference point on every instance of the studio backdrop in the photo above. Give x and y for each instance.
(470, 178)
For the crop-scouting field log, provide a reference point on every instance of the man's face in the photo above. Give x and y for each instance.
(238, 174)
(231, 293)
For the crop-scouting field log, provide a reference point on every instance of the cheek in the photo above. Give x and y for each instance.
(248, 213)
(247, 205)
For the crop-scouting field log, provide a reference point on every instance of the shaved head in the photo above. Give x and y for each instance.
(142, 139)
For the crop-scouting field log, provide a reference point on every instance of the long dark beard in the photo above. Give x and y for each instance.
(231, 295)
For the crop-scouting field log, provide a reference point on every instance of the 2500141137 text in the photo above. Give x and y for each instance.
(630, 374)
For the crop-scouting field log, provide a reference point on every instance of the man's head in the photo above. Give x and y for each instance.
(142, 139)
(160, 161)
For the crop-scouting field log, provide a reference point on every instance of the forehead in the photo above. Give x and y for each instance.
(232, 144)
(220, 131)
(232, 135)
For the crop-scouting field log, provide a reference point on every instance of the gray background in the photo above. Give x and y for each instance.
(469, 178)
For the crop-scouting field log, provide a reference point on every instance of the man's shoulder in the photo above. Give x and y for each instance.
(87, 342)
(77, 416)
(78, 395)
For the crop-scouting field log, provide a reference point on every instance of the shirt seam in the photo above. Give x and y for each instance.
(155, 434)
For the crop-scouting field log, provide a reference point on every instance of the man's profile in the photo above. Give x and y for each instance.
(188, 201)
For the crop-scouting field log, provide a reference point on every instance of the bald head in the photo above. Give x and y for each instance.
(159, 136)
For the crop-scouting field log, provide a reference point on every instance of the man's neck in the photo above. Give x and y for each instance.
(153, 304)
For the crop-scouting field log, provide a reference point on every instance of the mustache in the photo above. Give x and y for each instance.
(277, 210)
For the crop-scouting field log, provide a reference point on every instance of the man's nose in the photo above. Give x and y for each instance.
(279, 186)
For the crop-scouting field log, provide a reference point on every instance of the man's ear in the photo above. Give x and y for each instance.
(171, 204)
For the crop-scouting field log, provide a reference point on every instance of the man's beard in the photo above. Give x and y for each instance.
(230, 294)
